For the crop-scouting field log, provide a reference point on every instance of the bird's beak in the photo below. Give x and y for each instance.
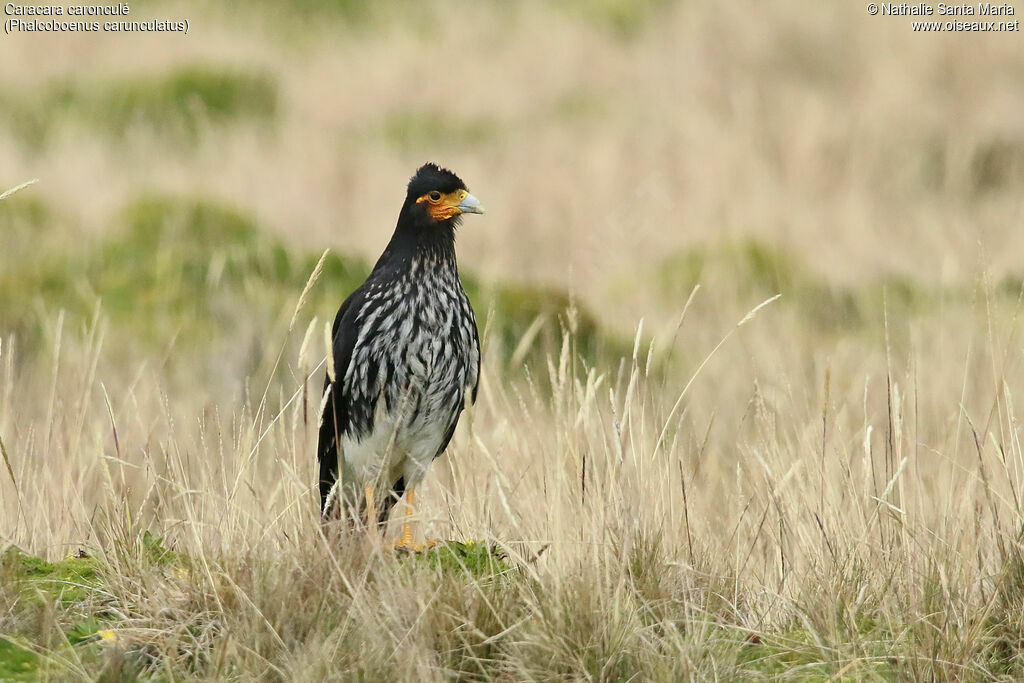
(470, 204)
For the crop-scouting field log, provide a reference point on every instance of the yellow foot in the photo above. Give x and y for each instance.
(371, 510)
(407, 545)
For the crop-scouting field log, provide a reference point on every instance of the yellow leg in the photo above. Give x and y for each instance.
(410, 497)
(371, 508)
(405, 542)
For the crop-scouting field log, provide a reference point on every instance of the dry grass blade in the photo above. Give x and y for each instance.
(686, 388)
(7, 463)
(313, 277)
(310, 281)
(329, 350)
(18, 188)
(527, 339)
(754, 311)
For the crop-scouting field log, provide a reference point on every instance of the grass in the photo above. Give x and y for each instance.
(17, 663)
(412, 130)
(68, 581)
(197, 268)
(50, 607)
(175, 106)
(751, 268)
(750, 301)
(623, 20)
(474, 595)
(81, 600)
(603, 581)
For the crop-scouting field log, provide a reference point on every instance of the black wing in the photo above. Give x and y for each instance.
(458, 413)
(335, 417)
(479, 355)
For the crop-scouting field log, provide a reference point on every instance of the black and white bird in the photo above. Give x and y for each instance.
(406, 359)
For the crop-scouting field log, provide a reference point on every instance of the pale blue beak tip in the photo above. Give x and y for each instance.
(471, 205)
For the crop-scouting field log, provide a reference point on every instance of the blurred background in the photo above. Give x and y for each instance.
(626, 152)
(606, 137)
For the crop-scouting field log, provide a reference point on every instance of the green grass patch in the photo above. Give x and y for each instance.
(181, 263)
(529, 323)
(58, 619)
(797, 654)
(477, 559)
(412, 129)
(750, 270)
(623, 19)
(198, 269)
(579, 104)
(173, 266)
(17, 663)
(68, 581)
(42, 604)
(176, 106)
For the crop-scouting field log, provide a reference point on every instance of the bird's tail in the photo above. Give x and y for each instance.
(340, 503)
(327, 456)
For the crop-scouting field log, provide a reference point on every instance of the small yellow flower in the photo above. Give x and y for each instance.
(108, 636)
(181, 573)
(469, 541)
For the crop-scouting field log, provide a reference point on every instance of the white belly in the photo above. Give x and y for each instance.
(396, 447)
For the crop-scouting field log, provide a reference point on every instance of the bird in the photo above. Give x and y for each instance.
(406, 361)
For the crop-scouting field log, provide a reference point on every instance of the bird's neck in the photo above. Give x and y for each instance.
(420, 244)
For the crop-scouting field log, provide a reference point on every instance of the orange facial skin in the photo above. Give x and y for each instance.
(445, 206)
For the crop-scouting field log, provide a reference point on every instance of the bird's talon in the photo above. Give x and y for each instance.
(403, 546)
(407, 545)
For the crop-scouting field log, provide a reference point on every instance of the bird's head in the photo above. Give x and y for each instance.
(438, 195)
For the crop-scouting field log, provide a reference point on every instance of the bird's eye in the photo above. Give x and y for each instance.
(435, 196)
